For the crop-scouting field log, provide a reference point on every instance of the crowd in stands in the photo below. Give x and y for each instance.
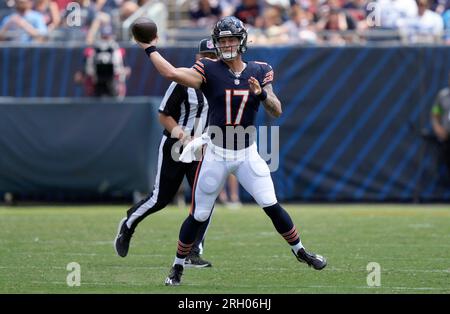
(66, 20)
(336, 22)
(332, 21)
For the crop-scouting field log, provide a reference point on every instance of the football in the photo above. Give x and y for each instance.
(144, 30)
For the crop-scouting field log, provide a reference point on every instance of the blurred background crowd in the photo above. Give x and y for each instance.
(308, 22)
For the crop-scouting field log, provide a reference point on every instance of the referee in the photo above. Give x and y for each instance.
(182, 112)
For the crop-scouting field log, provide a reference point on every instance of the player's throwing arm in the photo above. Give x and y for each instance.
(184, 76)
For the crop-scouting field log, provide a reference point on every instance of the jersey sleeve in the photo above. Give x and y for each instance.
(266, 73)
(201, 67)
(174, 97)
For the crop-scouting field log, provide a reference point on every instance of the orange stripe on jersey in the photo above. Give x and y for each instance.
(199, 68)
(200, 64)
(198, 71)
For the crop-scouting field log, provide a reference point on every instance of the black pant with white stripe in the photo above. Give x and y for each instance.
(169, 177)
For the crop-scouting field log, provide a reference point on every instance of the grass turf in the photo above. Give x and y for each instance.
(411, 243)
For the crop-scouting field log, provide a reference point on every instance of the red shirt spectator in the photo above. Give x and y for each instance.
(62, 4)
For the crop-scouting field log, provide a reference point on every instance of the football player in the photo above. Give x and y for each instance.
(234, 90)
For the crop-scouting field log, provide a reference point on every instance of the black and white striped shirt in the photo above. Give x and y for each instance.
(187, 106)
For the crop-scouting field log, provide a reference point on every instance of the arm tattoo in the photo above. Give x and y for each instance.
(272, 104)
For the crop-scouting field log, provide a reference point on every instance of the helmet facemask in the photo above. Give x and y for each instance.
(228, 52)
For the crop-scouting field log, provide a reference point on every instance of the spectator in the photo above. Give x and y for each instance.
(446, 18)
(440, 120)
(427, 26)
(127, 9)
(249, 12)
(102, 21)
(333, 23)
(336, 6)
(50, 12)
(312, 6)
(336, 21)
(205, 13)
(108, 5)
(229, 6)
(142, 2)
(6, 4)
(25, 25)
(392, 12)
(356, 9)
(272, 30)
(440, 6)
(62, 4)
(157, 12)
(285, 4)
(6, 8)
(300, 27)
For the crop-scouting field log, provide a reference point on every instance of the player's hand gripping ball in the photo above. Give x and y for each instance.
(144, 30)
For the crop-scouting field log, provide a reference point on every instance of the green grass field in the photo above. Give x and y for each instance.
(411, 244)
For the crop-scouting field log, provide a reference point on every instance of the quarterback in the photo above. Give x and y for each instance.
(234, 89)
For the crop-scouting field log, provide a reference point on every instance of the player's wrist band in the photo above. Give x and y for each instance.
(149, 50)
(263, 95)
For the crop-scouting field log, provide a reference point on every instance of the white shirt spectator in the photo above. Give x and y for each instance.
(282, 3)
(228, 6)
(392, 12)
(427, 27)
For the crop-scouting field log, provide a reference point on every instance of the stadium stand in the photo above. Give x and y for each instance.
(309, 22)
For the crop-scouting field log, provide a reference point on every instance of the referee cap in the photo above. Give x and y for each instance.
(206, 46)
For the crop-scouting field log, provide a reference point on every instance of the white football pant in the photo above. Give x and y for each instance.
(246, 164)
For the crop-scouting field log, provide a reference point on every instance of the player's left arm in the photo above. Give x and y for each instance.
(271, 103)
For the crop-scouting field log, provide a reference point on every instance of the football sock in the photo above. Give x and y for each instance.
(179, 261)
(297, 247)
(284, 225)
(188, 233)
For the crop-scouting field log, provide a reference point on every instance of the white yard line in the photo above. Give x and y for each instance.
(87, 254)
(296, 287)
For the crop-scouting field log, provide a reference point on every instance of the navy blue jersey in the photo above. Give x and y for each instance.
(231, 103)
